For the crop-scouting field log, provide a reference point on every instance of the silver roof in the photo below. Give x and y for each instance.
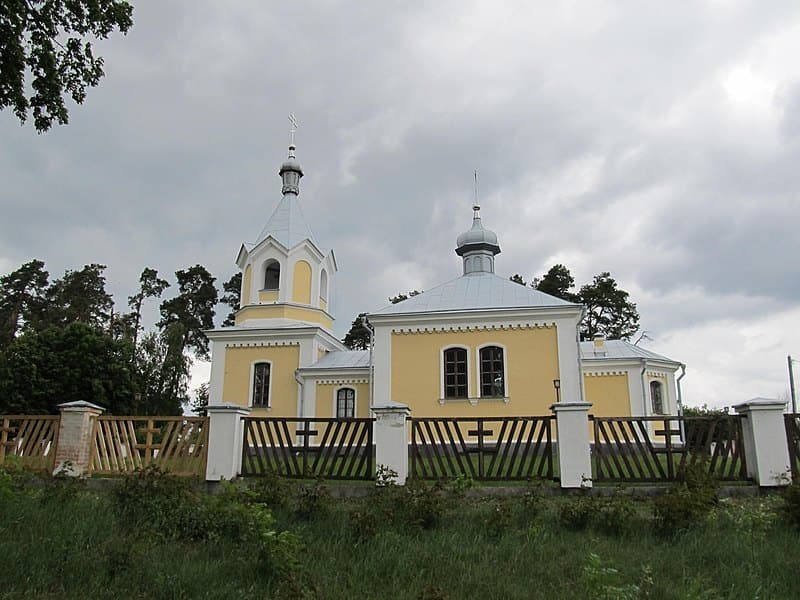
(342, 359)
(287, 224)
(474, 291)
(620, 349)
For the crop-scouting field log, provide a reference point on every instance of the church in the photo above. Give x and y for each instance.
(478, 345)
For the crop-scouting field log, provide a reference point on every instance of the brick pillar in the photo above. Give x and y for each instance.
(75, 429)
(225, 440)
(391, 438)
(766, 449)
(574, 460)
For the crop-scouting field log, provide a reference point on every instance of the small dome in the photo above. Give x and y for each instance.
(477, 235)
(291, 164)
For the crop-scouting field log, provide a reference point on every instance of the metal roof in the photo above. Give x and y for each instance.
(287, 224)
(620, 349)
(342, 359)
(474, 291)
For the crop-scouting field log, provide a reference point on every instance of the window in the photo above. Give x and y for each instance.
(272, 275)
(492, 376)
(261, 384)
(323, 285)
(345, 403)
(455, 373)
(656, 398)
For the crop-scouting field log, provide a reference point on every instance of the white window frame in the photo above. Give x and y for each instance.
(323, 289)
(335, 411)
(264, 265)
(442, 373)
(664, 407)
(253, 364)
(505, 369)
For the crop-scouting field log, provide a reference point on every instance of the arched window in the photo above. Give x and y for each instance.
(492, 373)
(455, 373)
(272, 275)
(656, 397)
(345, 403)
(261, 373)
(323, 285)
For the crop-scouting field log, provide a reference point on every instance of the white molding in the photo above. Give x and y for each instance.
(478, 316)
(342, 381)
(262, 344)
(441, 370)
(470, 327)
(478, 369)
(250, 404)
(605, 373)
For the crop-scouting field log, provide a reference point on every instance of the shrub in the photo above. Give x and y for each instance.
(312, 500)
(576, 513)
(791, 504)
(614, 515)
(688, 502)
(271, 489)
(421, 504)
(533, 501)
(498, 519)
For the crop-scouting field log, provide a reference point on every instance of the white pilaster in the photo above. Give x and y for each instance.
(569, 361)
(574, 460)
(217, 378)
(391, 438)
(75, 430)
(382, 360)
(765, 446)
(225, 440)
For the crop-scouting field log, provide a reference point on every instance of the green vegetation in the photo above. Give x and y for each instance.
(154, 536)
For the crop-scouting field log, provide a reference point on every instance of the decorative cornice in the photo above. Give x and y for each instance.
(342, 381)
(448, 328)
(659, 374)
(262, 344)
(604, 373)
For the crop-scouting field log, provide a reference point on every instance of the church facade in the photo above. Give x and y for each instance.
(477, 345)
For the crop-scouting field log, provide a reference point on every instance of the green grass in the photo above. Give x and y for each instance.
(64, 541)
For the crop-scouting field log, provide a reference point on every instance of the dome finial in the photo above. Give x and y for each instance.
(290, 171)
(477, 246)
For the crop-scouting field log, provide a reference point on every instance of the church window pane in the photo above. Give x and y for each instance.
(492, 375)
(455, 373)
(272, 275)
(657, 397)
(346, 403)
(261, 372)
(323, 285)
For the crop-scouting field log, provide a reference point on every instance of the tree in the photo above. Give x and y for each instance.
(150, 286)
(22, 295)
(558, 282)
(232, 296)
(358, 338)
(517, 278)
(48, 40)
(78, 297)
(162, 373)
(42, 369)
(608, 309)
(400, 297)
(200, 401)
(192, 308)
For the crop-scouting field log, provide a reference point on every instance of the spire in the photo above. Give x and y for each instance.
(478, 246)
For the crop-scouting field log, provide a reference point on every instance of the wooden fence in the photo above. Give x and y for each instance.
(309, 448)
(175, 444)
(31, 439)
(653, 449)
(499, 448)
(792, 422)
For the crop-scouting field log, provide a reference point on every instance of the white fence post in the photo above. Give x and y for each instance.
(225, 440)
(574, 455)
(75, 429)
(766, 449)
(391, 438)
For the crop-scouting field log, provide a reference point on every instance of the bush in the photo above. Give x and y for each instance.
(614, 515)
(312, 500)
(691, 499)
(271, 489)
(791, 504)
(420, 504)
(498, 519)
(576, 513)
(533, 501)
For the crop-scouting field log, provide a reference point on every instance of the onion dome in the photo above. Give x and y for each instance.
(477, 246)
(291, 173)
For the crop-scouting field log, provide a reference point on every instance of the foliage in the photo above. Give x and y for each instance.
(401, 296)
(791, 504)
(576, 514)
(42, 369)
(232, 296)
(608, 309)
(688, 502)
(517, 278)
(271, 489)
(704, 411)
(358, 338)
(162, 373)
(192, 308)
(558, 282)
(78, 297)
(22, 298)
(150, 286)
(49, 42)
(604, 582)
(614, 515)
(499, 518)
(312, 500)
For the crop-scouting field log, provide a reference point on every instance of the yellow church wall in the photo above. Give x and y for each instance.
(282, 311)
(283, 387)
(248, 277)
(301, 288)
(531, 367)
(326, 399)
(267, 296)
(609, 395)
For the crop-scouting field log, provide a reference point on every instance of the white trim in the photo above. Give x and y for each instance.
(252, 381)
(263, 271)
(441, 371)
(323, 290)
(342, 381)
(478, 369)
(467, 327)
(335, 411)
(664, 410)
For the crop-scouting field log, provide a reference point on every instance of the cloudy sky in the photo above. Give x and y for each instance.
(656, 140)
